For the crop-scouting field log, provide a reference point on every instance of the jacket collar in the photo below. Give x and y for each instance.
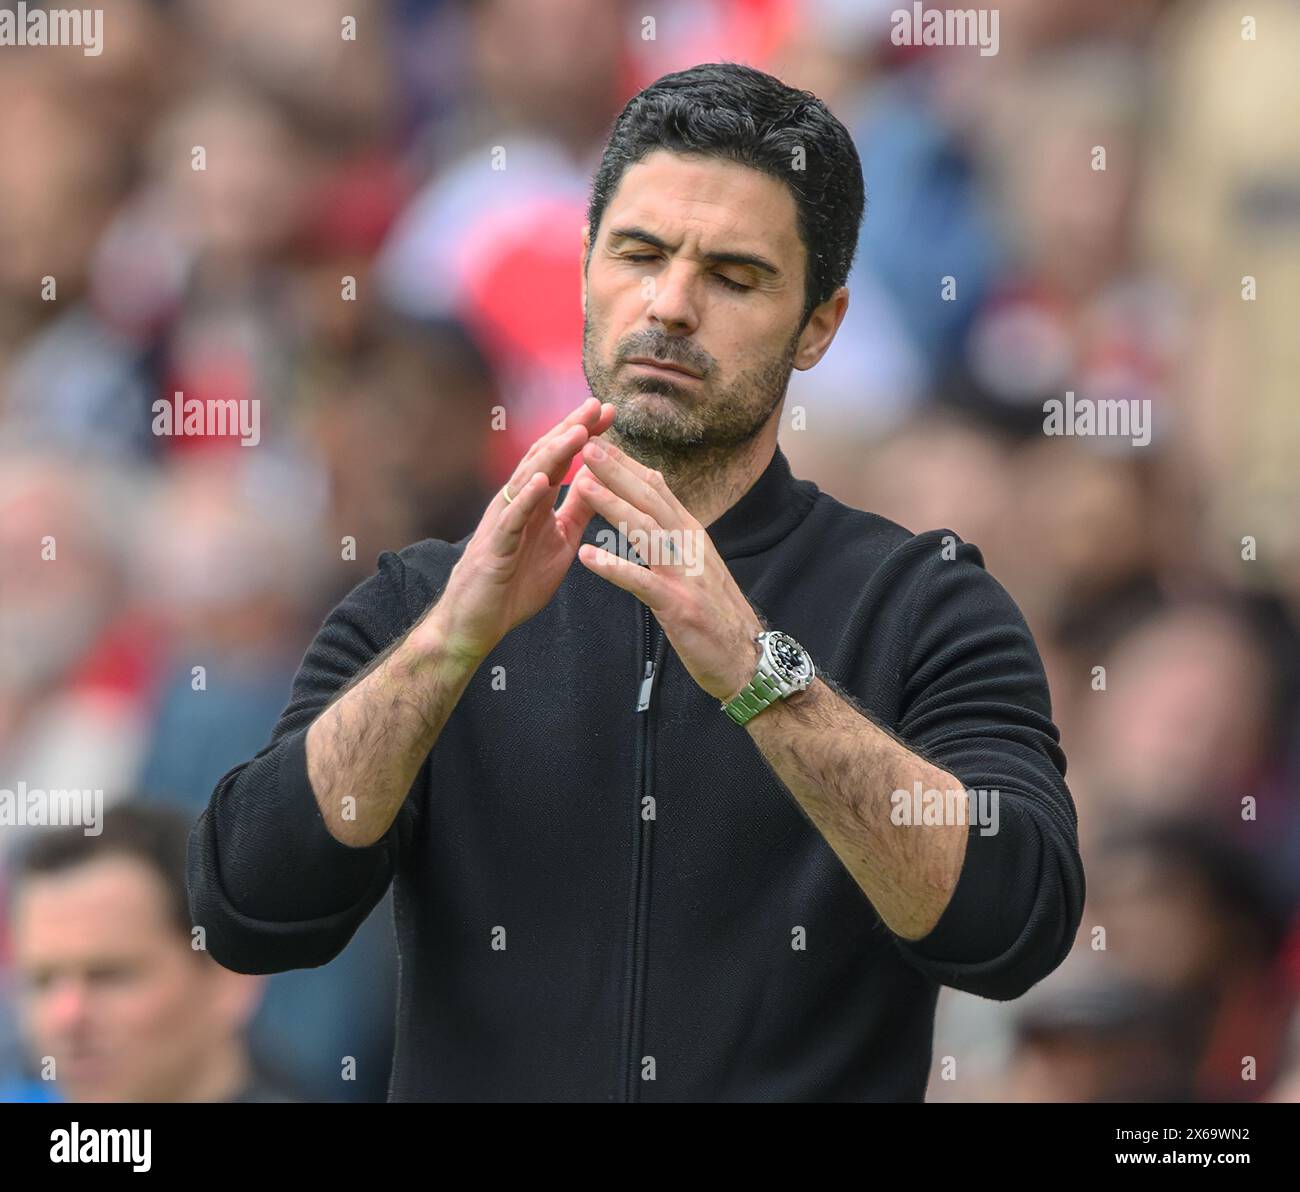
(769, 510)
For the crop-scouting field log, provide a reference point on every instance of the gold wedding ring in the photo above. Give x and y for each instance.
(505, 492)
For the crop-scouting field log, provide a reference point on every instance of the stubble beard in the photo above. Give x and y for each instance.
(691, 430)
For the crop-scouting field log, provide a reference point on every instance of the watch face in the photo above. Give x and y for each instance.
(789, 657)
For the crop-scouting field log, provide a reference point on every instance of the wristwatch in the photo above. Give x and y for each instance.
(784, 667)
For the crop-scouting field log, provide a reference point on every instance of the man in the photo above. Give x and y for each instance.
(115, 1002)
(606, 887)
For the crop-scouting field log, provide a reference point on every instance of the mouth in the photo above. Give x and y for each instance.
(87, 1066)
(663, 366)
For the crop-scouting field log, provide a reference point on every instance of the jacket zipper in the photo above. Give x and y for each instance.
(652, 650)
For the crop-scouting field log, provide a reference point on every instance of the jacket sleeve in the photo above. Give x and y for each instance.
(271, 887)
(975, 702)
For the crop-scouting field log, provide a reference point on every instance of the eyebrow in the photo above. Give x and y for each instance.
(725, 258)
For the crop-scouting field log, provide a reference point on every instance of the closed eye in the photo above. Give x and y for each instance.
(734, 286)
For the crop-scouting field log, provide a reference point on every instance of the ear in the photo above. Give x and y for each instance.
(582, 263)
(823, 323)
(236, 997)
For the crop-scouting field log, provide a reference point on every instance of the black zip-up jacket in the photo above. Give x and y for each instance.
(601, 889)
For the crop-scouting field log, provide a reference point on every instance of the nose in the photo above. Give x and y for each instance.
(64, 1003)
(673, 301)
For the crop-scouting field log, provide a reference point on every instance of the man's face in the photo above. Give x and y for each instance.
(697, 262)
(109, 987)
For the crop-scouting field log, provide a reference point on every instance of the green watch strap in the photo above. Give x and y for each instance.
(760, 692)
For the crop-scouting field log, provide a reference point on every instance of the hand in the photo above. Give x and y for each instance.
(687, 585)
(520, 551)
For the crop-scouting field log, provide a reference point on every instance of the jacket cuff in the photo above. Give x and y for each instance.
(277, 857)
(980, 901)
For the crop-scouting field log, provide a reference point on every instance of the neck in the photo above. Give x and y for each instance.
(221, 1078)
(707, 480)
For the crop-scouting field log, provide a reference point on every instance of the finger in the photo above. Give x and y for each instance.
(635, 483)
(584, 415)
(608, 411)
(596, 418)
(552, 457)
(557, 456)
(614, 509)
(574, 514)
(651, 589)
(509, 529)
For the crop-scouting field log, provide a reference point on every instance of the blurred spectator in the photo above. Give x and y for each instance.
(1077, 309)
(1097, 1037)
(77, 658)
(403, 425)
(1198, 918)
(230, 570)
(494, 239)
(1186, 723)
(296, 53)
(115, 1003)
(376, 238)
(72, 380)
(228, 573)
(1222, 215)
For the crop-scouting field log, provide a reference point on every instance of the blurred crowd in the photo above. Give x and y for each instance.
(364, 217)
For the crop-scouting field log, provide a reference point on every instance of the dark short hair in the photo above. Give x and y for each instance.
(155, 835)
(724, 110)
(1251, 886)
